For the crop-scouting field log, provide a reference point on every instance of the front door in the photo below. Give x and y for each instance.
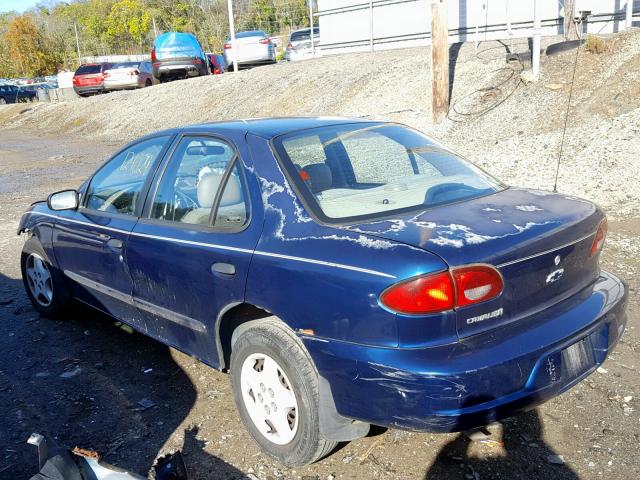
(90, 242)
(189, 255)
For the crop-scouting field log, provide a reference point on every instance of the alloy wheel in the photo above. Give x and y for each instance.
(39, 280)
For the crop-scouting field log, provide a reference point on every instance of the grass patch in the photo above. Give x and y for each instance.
(596, 45)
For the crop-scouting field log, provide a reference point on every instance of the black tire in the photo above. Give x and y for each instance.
(2, 101)
(60, 298)
(148, 83)
(271, 337)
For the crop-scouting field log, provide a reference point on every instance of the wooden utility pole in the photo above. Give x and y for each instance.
(439, 60)
(568, 18)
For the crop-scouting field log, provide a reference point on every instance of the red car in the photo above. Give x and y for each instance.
(218, 63)
(89, 78)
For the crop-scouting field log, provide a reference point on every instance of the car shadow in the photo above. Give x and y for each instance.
(513, 448)
(84, 381)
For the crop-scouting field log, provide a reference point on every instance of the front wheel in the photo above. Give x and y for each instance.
(44, 285)
(275, 388)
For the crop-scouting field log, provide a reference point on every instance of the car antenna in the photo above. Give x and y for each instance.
(566, 115)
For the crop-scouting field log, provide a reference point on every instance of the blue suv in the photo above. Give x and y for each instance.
(345, 272)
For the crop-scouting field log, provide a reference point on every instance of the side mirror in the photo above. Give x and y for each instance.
(64, 200)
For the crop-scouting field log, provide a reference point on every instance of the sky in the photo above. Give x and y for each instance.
(18, 5)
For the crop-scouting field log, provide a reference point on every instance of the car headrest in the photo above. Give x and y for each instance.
(318, 177)
(205, 150)
(208, 187)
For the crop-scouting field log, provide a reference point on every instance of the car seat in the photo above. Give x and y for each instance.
(206, 191)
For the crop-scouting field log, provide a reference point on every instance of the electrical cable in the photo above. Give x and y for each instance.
(496, 91)
(566, 118)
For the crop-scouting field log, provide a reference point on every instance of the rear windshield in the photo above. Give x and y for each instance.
(251, 33)
(361, 171)
(116, 66)
(304, 35)
(88, 69)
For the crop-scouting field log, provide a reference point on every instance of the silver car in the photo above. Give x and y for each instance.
(253, 47)
(127, 75)
(299, 46)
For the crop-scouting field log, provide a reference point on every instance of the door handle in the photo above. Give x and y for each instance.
(224, 268)
(114, 244)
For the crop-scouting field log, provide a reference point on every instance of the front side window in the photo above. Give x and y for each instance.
(203, 171)
(366, 171)
(117, 185)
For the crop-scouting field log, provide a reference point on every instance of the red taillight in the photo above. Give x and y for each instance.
(427, 294)
(598, 241)
(75, 80)
(289, 46)
(217, 71)
(227, 46)
(476, 283)
(265, 41)
(106, 75)
(153, 55)
(443, 291)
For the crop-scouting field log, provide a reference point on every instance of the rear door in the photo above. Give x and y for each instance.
(189, 257)
(90, 242)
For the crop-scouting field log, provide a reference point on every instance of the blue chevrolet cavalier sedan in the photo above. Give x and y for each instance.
(345, 272)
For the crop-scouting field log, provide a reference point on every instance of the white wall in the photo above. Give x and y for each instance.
(345, 24)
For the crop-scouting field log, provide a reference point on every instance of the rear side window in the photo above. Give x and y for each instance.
(88, 69)
(202, 185)
(117, 185)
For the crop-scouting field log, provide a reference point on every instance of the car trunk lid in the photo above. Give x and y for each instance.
(539, 241)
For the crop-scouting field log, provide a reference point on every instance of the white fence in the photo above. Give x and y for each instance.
(116, 58)
(357, 25)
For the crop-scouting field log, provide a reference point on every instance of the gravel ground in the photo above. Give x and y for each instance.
(81, 380)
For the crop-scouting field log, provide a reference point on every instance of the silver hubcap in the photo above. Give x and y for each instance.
(269, 398)
(39, 280)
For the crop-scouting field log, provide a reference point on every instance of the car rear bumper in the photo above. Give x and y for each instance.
(89, 89)
(251, 59)
(482, 379)
(177, 69)
(121, 84)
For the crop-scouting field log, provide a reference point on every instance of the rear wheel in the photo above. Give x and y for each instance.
(275, 388)
(148, 83)
(44, 285)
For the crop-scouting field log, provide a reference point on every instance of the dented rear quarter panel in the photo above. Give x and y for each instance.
(334, 291)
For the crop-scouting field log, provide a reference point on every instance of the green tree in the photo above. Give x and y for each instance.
(127, 24)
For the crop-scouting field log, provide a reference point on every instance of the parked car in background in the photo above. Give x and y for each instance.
(345, 272)
(128, 75)
(178, 55)
(218, 63)
(252, 47)
(89, 78)
(299, 46)
(15, 94)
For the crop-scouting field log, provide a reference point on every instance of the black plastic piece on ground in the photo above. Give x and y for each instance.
(171, 467)
(560, 47)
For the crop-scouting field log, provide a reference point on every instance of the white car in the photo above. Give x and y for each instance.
(299, 46)
(253, 47)
(126, 75)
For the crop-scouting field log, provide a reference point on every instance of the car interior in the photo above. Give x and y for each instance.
(347, 179)
(188, 190)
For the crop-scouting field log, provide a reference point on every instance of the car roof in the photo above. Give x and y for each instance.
(273, 127)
